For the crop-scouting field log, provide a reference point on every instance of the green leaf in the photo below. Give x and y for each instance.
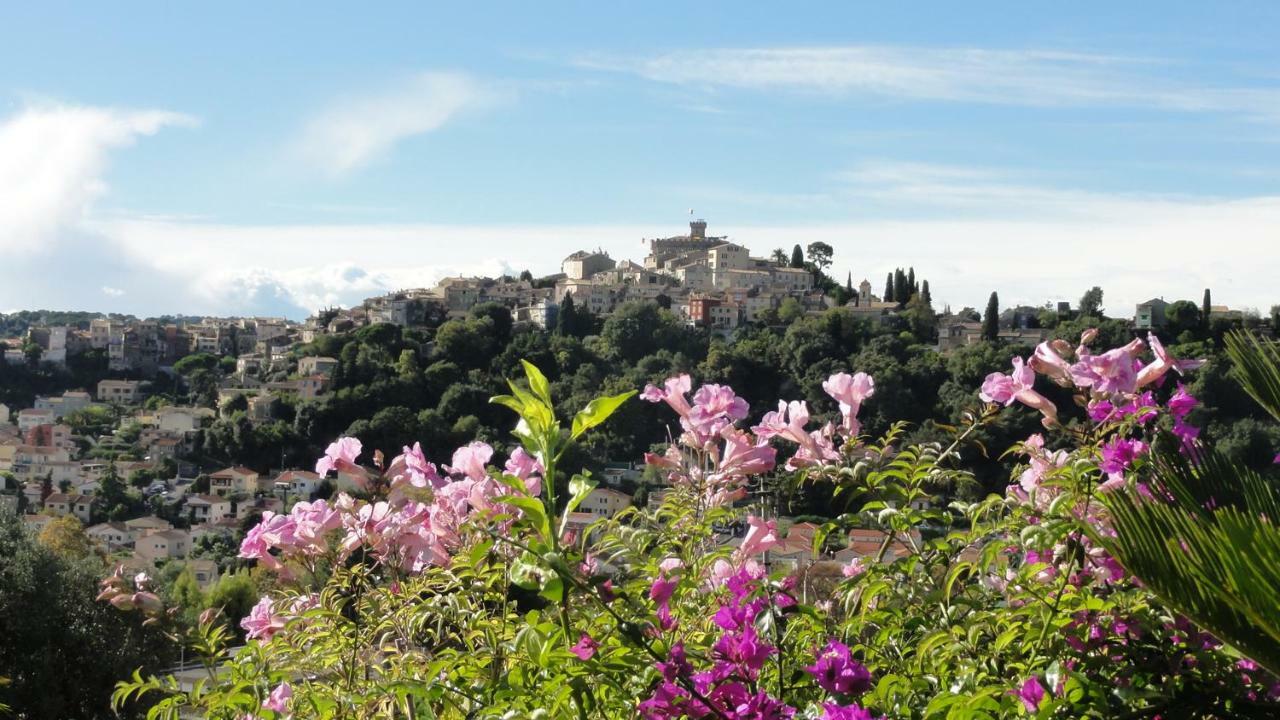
(533, 510)
(579, 487)
(537, 381)
(597, 411)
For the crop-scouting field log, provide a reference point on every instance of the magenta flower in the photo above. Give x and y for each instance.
(1049, 362)
(837, 672)
(586, 647)
(850, 391)
(278, 700)
(744, 650)
(660, 593)
(1031, 694)
(1181, 403)
(262, 621)
(832, 711)
(340, 455)
(1119, 454)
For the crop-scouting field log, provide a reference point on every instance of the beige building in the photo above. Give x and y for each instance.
(605, 502)
(208, 508)
(233, 480)
(123, 392)
(81, 506)
(163, 545)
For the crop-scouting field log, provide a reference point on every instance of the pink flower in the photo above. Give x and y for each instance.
(411, 467)
(1048, 361)
(586, 647)
(1163, 363)
(670, 565)
(672, 392)
(742, 457)
(850, 391)
(340, 456)
(526, 467)
(719, 400)
(1110, 373)
(278, 700)
(1018, 385)
(761, 537)
(262, 621)
(856, 567)
(470, 460)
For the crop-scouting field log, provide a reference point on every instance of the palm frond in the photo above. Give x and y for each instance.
(1207, 544)
(1257, 364)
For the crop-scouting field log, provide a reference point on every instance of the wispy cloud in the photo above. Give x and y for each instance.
(1036, 78)
(354, 131)
(111, 291)
(52, 163)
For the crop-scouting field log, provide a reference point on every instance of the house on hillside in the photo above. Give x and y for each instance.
(81, 506)
(206, 508)
(163, 545)
(233, 480)
(605, 502)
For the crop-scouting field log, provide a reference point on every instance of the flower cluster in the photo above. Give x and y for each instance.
(712, 456)
(731, 687)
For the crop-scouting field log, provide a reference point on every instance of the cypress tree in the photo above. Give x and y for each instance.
(1205, 307)
(924, 293)
(991, 322)
(912, 287)
(848, 282)
(888, 288)
(567, 317)
(901, 293)
(797, 257)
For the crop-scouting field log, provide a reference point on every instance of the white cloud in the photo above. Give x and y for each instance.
(356, 130)
(1035, 78)
(1134, 247)
(111, 292)
(52, 159)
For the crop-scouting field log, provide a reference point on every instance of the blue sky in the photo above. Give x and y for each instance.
(272, 157)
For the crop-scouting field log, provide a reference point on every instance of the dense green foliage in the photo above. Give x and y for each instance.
(62, 651)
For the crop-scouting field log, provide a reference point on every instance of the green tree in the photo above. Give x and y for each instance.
(1183, 321)
(780, 257)
(797, 257)
(790, 310)
(407, 365)
(888, 288)
(991, 321)
(820, 255)
(1091, 302)
(62, 651)
(1206, 310)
